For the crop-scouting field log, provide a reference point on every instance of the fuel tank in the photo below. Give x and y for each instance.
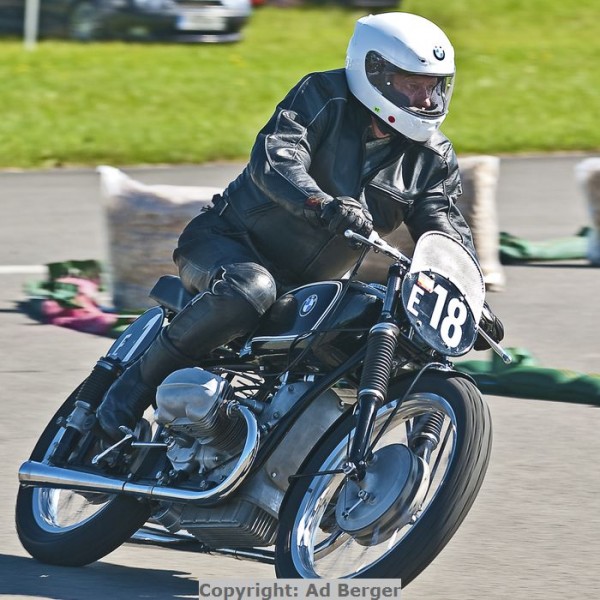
(319, 315)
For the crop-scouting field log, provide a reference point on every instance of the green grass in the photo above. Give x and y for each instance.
(527, 82)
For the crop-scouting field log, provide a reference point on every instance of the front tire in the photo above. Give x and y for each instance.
(67, 528)
(311, 542)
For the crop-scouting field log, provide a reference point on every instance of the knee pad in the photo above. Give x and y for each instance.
(232, 306)
(251, 281)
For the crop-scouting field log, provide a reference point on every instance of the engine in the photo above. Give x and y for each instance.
(205, 440)
(191, 404)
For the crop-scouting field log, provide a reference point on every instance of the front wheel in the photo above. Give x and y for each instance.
(396, 520)
(68, 528)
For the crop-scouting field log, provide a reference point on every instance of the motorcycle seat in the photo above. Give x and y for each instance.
(169, 292)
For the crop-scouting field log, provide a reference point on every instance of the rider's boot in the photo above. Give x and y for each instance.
(213, 318)
(134, 391)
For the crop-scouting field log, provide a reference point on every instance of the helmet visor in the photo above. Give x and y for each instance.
(417, 93)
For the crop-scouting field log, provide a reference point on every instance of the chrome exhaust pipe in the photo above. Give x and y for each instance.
(39, 474)
(152, 536)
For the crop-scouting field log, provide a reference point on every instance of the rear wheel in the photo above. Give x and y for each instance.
(68, 528)
(408, 506)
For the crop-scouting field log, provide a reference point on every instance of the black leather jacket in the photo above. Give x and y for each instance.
(314, 145)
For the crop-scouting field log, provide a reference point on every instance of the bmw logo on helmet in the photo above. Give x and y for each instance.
(308, 305)
(439, 53)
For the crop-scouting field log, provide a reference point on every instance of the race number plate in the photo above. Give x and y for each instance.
(134, 341)
(439, 313)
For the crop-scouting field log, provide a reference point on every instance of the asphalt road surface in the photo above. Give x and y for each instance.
(534, 531)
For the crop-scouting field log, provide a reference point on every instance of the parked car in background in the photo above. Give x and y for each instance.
(159, 20)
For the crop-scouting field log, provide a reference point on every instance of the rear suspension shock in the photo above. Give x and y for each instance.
(89, 396)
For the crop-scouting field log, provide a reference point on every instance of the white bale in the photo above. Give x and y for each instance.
(145, 221)
(587, 175)
(479, 175)
(143, 225)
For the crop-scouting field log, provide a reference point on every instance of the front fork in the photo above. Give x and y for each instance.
(377, 369)
(376, 373)
(426, 431)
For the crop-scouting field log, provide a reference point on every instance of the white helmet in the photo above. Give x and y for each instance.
(401, 67)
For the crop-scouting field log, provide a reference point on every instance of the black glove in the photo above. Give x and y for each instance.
(343, 213)
(492, 325)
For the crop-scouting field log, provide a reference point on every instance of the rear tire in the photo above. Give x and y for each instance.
(310, 542)
(42, 514)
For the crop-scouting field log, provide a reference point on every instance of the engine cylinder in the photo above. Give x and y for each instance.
(190, 401)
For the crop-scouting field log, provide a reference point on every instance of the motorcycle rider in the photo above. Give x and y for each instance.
(355, 148)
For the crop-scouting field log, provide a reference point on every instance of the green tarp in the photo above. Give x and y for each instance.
(525, 378)
(68, 298)
(515, 249)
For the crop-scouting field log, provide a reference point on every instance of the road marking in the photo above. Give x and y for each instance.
(22, 269)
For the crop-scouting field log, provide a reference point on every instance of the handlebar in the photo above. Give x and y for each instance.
(378, 244)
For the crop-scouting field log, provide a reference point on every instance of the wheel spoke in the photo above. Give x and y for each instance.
(333, 542)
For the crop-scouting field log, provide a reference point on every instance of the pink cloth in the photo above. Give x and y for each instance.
(87, 316)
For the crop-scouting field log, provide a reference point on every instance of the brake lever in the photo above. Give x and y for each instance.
(496, 347)
(378, 244)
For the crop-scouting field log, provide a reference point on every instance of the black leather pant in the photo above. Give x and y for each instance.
(232, 288)
(232, 291)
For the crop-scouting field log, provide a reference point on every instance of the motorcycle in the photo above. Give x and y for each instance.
(334, 441)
